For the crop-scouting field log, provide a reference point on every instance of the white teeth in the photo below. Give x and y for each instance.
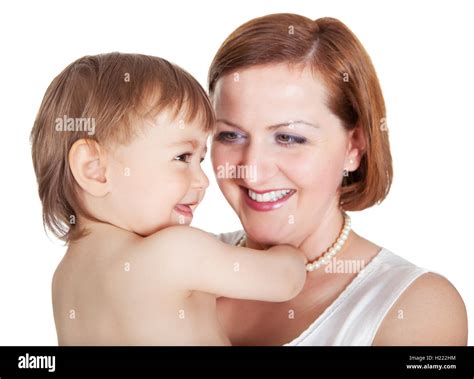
(268, 196)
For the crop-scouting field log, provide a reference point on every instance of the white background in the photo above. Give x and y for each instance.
(424, 58)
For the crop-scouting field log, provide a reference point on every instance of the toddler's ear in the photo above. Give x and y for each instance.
(88, 163)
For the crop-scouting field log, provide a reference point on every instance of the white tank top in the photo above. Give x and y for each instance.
(355, 316)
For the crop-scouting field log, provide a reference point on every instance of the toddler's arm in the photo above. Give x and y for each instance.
(200, 262)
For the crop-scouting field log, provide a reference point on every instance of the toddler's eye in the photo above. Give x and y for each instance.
(186, 157)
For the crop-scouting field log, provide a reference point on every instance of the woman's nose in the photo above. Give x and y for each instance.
(258, 161)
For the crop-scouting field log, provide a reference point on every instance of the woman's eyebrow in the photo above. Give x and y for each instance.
(289, 123)
(271, 127)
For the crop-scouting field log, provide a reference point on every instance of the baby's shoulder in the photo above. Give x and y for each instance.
(155, 260)
(178, 242)
(178, 234)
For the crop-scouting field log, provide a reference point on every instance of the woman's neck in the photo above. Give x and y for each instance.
(324, 236)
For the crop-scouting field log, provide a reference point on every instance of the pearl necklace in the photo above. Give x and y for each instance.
(330, 253)
(334, 249)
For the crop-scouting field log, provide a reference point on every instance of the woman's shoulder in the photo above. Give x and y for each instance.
(429, 312)
(424, 308)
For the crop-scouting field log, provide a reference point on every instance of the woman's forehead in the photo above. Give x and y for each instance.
(273, 94)
(270, 83)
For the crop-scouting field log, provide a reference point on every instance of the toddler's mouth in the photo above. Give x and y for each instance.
(185, 209)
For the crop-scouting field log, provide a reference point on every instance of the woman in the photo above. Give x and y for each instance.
(299, 104)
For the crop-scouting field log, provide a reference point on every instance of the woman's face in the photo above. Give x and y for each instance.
(288, 150)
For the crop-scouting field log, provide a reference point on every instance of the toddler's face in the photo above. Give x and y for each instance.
(157, 180)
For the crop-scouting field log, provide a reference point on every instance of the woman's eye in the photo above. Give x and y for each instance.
(186, 157)
(229, 137)
(288, 139)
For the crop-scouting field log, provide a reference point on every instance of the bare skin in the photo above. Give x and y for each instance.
(116, 288)
(141, 278)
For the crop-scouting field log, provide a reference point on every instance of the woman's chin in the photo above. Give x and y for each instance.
(267, 234)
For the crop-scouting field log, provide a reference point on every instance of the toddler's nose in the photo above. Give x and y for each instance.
(200, 179)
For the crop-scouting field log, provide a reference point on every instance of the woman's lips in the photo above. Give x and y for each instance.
(265, 205)
(184, 210)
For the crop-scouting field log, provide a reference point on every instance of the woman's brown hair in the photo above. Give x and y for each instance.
(354, 93)
(116, 91)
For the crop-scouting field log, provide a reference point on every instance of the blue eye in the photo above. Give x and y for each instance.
(186, 157)
(288, 139)
(229, 137)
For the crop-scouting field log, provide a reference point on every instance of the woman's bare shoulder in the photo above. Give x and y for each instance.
(430, 312)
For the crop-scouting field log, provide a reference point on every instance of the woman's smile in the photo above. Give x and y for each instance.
(266, 200)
